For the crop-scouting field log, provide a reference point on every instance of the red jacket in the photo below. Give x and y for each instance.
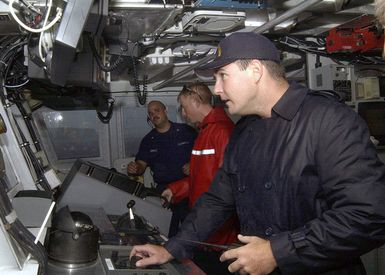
(206, 158)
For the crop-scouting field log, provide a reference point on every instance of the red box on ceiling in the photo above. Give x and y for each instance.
(353, 40)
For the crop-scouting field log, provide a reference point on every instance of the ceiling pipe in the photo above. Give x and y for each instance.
(184, 72)
(286, 15)
(265, 27)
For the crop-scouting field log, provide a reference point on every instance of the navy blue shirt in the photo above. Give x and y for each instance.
(166, 153)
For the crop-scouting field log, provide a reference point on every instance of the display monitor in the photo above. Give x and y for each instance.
(72, 134)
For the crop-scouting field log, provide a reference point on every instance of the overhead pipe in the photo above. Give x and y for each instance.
(184, 72)
(265, 27)
(286, 15)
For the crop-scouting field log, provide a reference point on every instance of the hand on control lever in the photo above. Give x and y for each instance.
(133, 261)
(166, 198)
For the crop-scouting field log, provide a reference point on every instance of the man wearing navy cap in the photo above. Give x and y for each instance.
(300, 171)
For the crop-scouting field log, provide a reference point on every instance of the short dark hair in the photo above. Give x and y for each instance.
(199, 91)
(276, 70)
(158, 102)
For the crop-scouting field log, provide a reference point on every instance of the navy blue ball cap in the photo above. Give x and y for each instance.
(240, 45)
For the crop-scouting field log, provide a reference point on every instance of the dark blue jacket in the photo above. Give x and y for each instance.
(308, 179)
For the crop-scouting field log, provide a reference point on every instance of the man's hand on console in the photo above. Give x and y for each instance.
(166, 197)
(186, 169)
(150, 254)
(132, 168)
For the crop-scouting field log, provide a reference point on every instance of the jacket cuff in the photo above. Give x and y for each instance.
(285, 247)
(177, 250)
(179, 189)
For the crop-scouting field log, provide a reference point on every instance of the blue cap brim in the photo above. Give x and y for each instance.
(209, 68)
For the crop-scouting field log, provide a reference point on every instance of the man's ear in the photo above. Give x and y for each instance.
(257, 69)
(195, 102)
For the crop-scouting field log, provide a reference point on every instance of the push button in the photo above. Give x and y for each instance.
(268, 185)
(241, 188)
(269, 231)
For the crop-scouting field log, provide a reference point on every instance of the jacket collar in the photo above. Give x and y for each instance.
(289, 104)
(215, 115)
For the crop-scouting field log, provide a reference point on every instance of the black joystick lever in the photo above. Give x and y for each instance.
(131, 216)
(130, 204)
(129, 221)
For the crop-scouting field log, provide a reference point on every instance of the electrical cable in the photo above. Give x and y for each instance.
(41, 178)
(319, 48)
(141, 95)
(106, 119)
(53, 22)
(8, 59)
(42, 33)
(103, 67)
(17, 230)
(17, 86)
(306, 46)
(10, 50)
(5, 54)
(30, 7)
(19, 71)
(28, 123)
